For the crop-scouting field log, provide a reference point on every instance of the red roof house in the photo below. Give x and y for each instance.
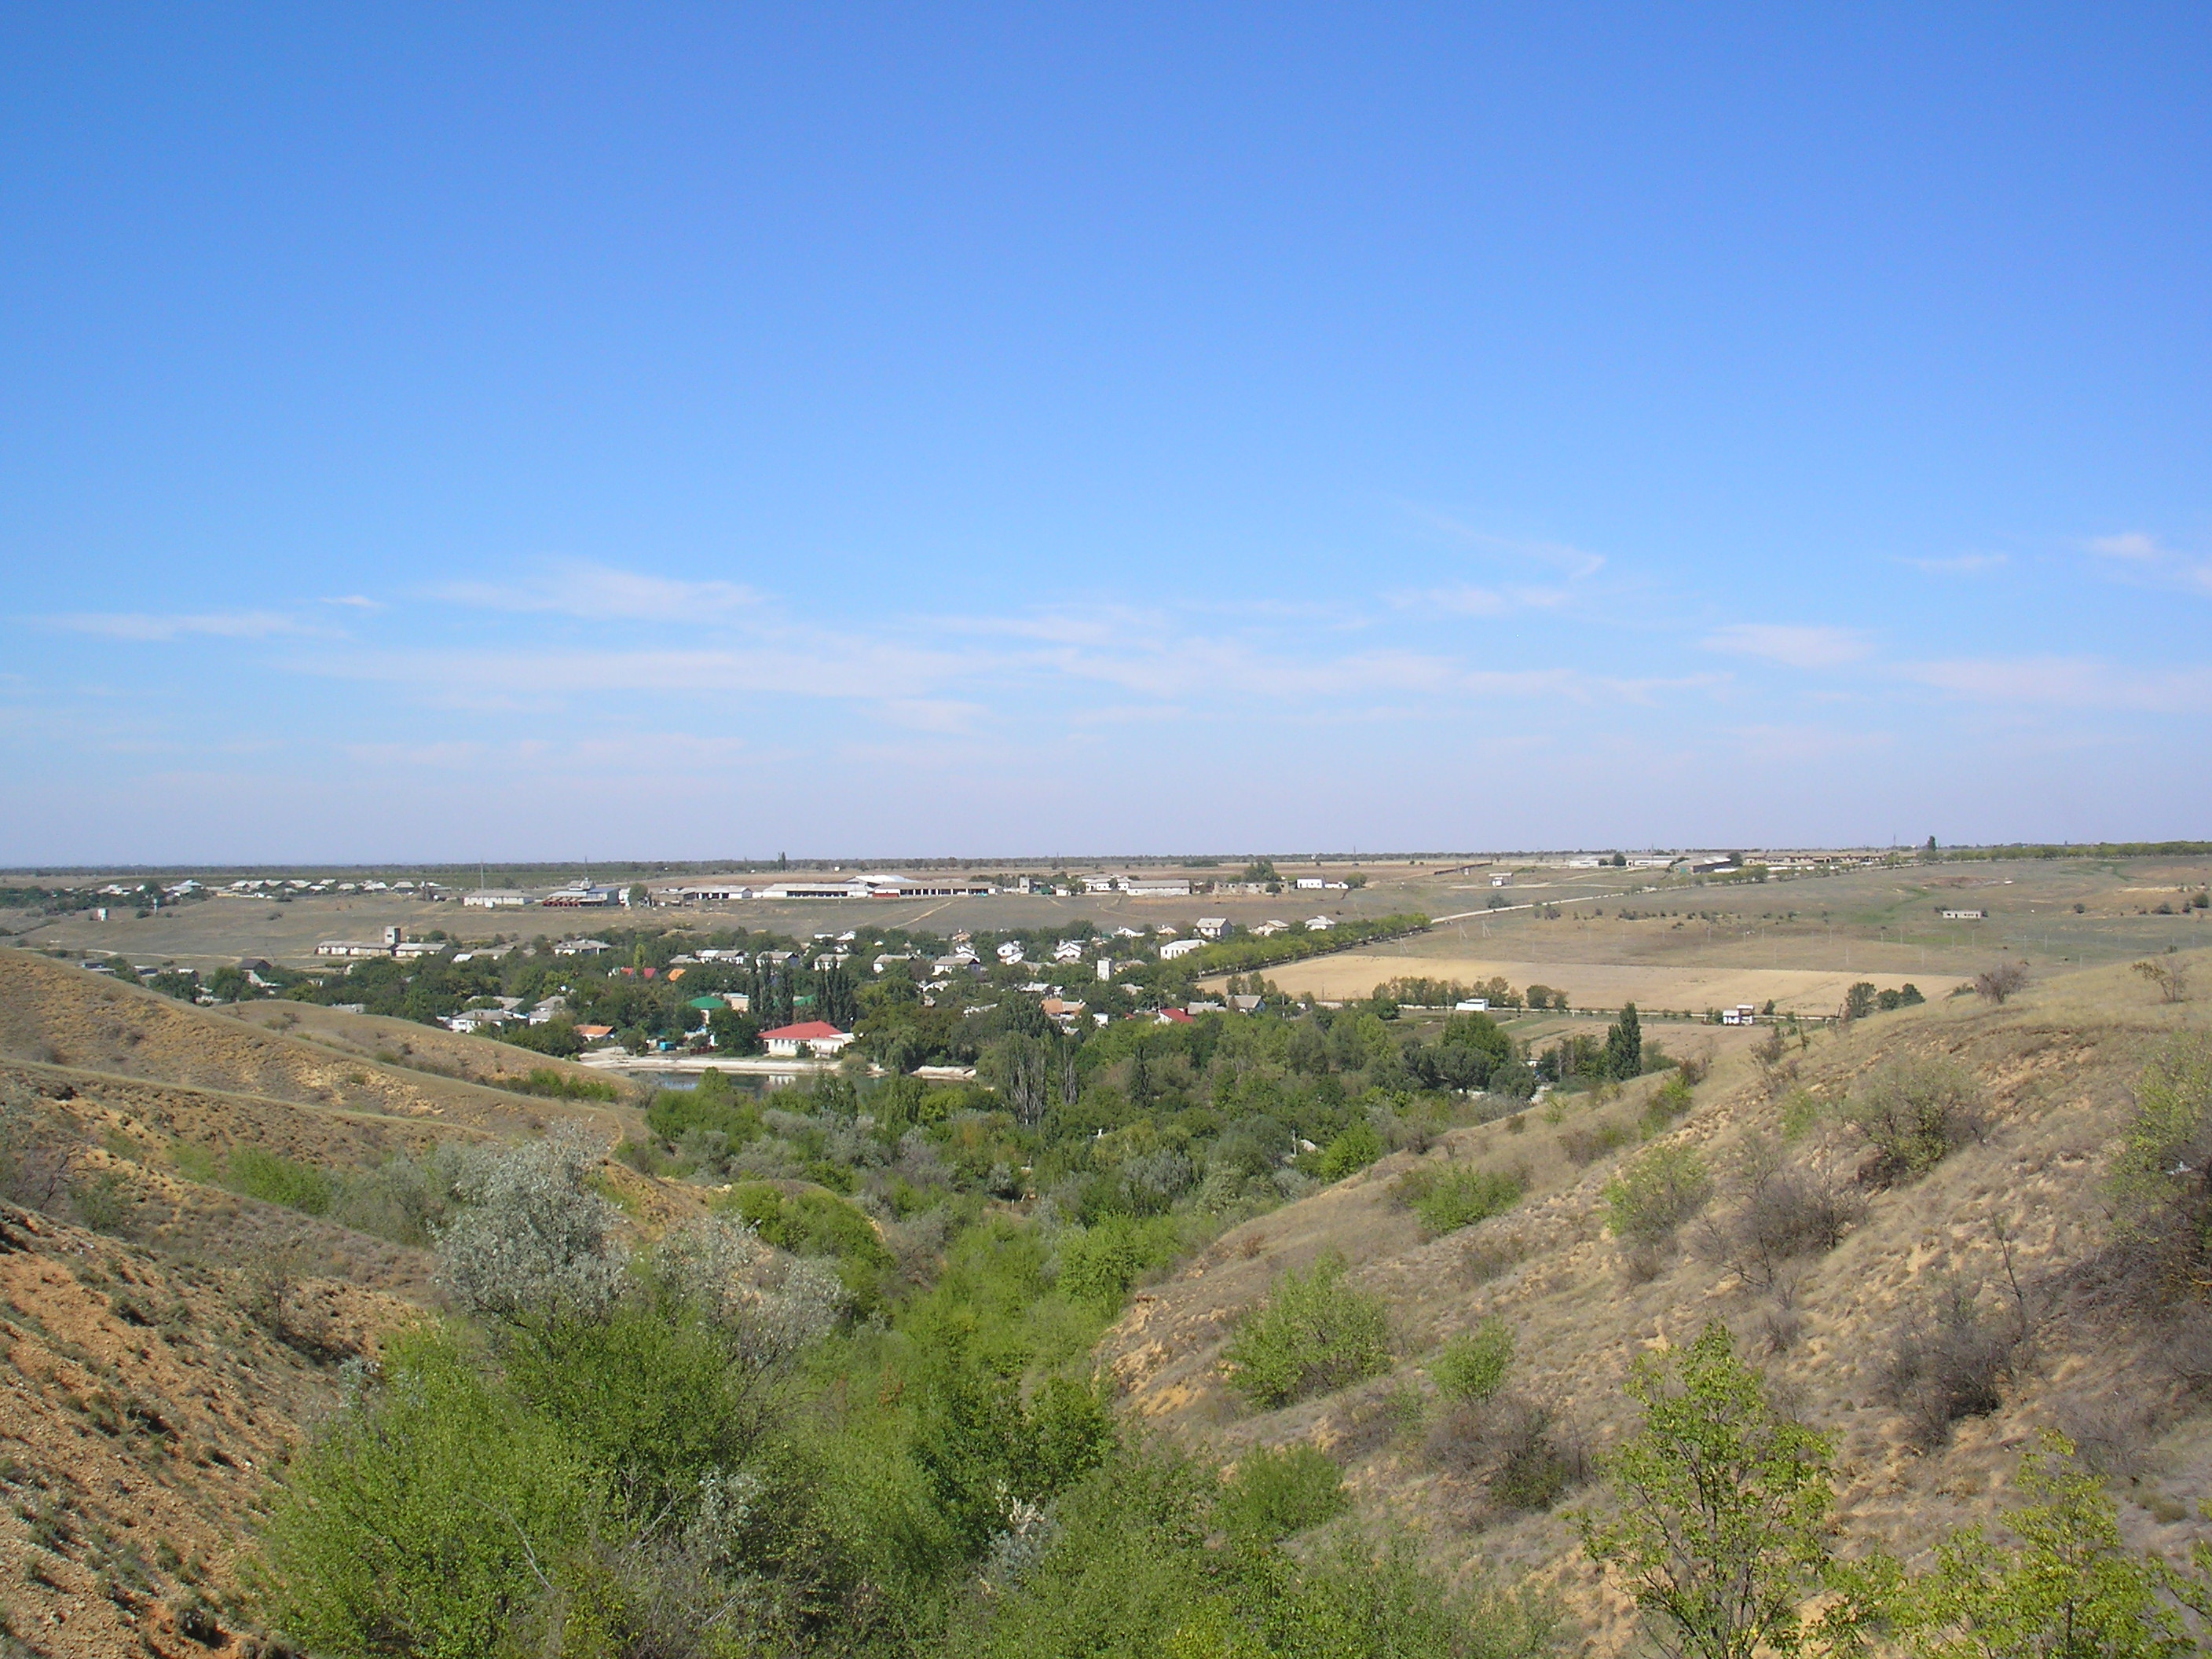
(816, 1036)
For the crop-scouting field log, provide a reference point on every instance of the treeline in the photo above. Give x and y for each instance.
(2100, 849)
(1243, 955)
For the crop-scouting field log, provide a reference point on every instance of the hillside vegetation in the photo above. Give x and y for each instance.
(1910, 1225)
(1249, 1336)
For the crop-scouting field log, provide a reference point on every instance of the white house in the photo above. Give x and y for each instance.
(581, 947)
(1472, 1006)
(1743, 1013)
(817, 1037)
(1011, 951)
(1180, 947)
(495, 898)
(1269, 929)
(1213, 927)
(1966, 915)
(1311, 884)
(1068, 949)
(1318, 924)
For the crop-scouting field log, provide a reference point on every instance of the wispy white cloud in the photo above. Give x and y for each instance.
(148, 626)
(353, 601)
(1961, 564)
(1576, 562)
(2145, 558)
(2082, 682)
(1466, 599)
(2128, 544)
(1795, 645)
(594, 592)
(833, 668)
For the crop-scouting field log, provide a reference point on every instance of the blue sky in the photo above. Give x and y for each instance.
(647, 431)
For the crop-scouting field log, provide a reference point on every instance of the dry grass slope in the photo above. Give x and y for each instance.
(2002, 1226)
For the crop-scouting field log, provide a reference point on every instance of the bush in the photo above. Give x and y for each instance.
(1512, 1443)
(1452, 1196)
(1315, 1334)
(1914, 1114)
(2172, 979)
(534, 1242)
(278, 1180)
(2003, 980)
(1669, 1100)
(1472, 1366)
(1586, 1143)
(1951, 1361)
(1786, 1212)
(1274, 1494)
(418, 1522)
(1099, 1264)
(1657, 1193)
(2162, 1179)
(1721, 1521)
(560, 1086)
(1352, 1151)
(813, 1223)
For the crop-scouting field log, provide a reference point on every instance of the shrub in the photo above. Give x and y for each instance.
(534, 1241)
(1724, 1506)
(1657, 1193)
(813, 1223)
(1951, 1361)
(1452, 1196)
(1587, 1143)
(2171, 978)
(1314, 1335)
(1534, 1469)
(2003, 980)
(2074, 1586)
(1276, 1492)
(1472, 1366)
(1669, 1101)
(1512, 1443)
(1915, 1113)
(773, 1305)
(1786, 1211)
(278, 1179)
(1352, 1151)
(2162, 1179)
(1099, 1264)
(560, 1086)
(418, 1522)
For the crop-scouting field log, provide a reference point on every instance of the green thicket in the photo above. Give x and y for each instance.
(710, 1449)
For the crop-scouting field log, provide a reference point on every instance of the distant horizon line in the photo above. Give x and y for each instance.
(1058, 862)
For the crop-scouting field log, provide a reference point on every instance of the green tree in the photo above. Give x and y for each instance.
(2072, 1590)
(1624, 1045)
(1723, 1504)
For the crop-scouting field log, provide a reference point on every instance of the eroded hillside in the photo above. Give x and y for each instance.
(1988, 1263)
